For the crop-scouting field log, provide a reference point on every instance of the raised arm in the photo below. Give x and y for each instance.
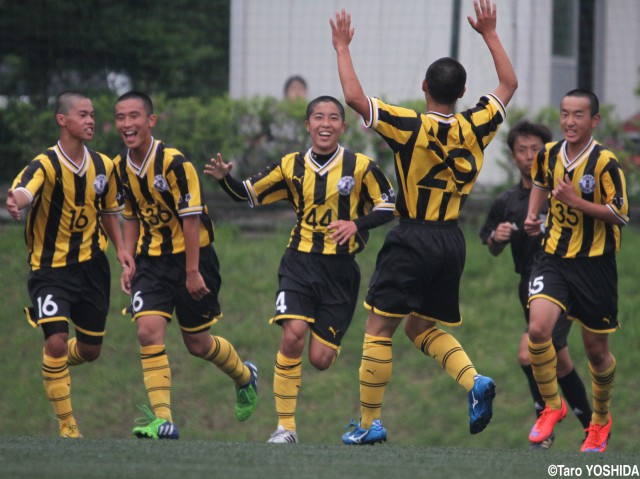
(342, 33)
(485, 25)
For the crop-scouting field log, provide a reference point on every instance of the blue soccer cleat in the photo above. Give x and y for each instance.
(481, 403)
(376, 433)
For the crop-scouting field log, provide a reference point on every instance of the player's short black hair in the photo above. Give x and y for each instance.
(65, 100)
(526, 128)
(446, 79)
(323, 99)
(594, 103)
(137, 95)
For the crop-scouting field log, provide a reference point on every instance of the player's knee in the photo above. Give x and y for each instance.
(539, 333)
(90, 355)
(198, 349)
(598, 357)
(56, 345)
(414, 327)
(323, 362)
(294, 338)
(147, 335)
(292, 346)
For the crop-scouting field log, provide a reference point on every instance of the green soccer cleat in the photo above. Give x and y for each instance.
(247, 395)
(152, 427)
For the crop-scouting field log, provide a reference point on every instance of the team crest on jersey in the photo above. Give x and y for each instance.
(99, 184)
(345, 185)
(587, 184)
(160, 184)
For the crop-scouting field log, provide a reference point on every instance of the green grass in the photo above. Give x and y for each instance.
(423, 409)
(22, 457)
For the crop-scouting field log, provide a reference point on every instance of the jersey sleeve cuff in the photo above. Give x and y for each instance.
(28, 194)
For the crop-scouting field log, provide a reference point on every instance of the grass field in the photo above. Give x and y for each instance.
(22, 457)
(424, 411)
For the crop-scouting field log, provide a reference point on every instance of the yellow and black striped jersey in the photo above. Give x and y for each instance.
(596, 177)
(437, 157)
(63, 227)
(159, 194)
(346, 187)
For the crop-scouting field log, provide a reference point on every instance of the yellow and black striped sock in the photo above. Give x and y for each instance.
(287, 378)
(74, 358)
(602, 390)
(57, 386)
(223, 355)
(157, 379)
(543, 359)
(446, 349)
(375, 372)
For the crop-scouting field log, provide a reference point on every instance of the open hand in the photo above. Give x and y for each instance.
(341, 231)
(341, 30)
(564, 192)
(218, 168)
(485, 17)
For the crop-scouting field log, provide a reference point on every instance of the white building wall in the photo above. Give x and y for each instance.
(622, 56)
(272, 39)
(531, 53)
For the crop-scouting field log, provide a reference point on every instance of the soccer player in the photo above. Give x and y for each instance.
(505, 225)
(168, 227)
(585, 189)
(338, 196)
(73, 195)
(437, 157)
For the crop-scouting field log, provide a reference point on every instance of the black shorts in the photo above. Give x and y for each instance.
(561, 330)
(585, 288)
(159, 287)
(77, 293)
(319, 289)
(418, 272)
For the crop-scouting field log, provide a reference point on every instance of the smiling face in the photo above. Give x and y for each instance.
(325, 125)
(576, 121)
(134, 124)
(79, 119)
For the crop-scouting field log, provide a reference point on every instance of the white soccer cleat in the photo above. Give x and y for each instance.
(283, 436)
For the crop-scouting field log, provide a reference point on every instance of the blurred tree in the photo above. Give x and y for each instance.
(177, 47)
